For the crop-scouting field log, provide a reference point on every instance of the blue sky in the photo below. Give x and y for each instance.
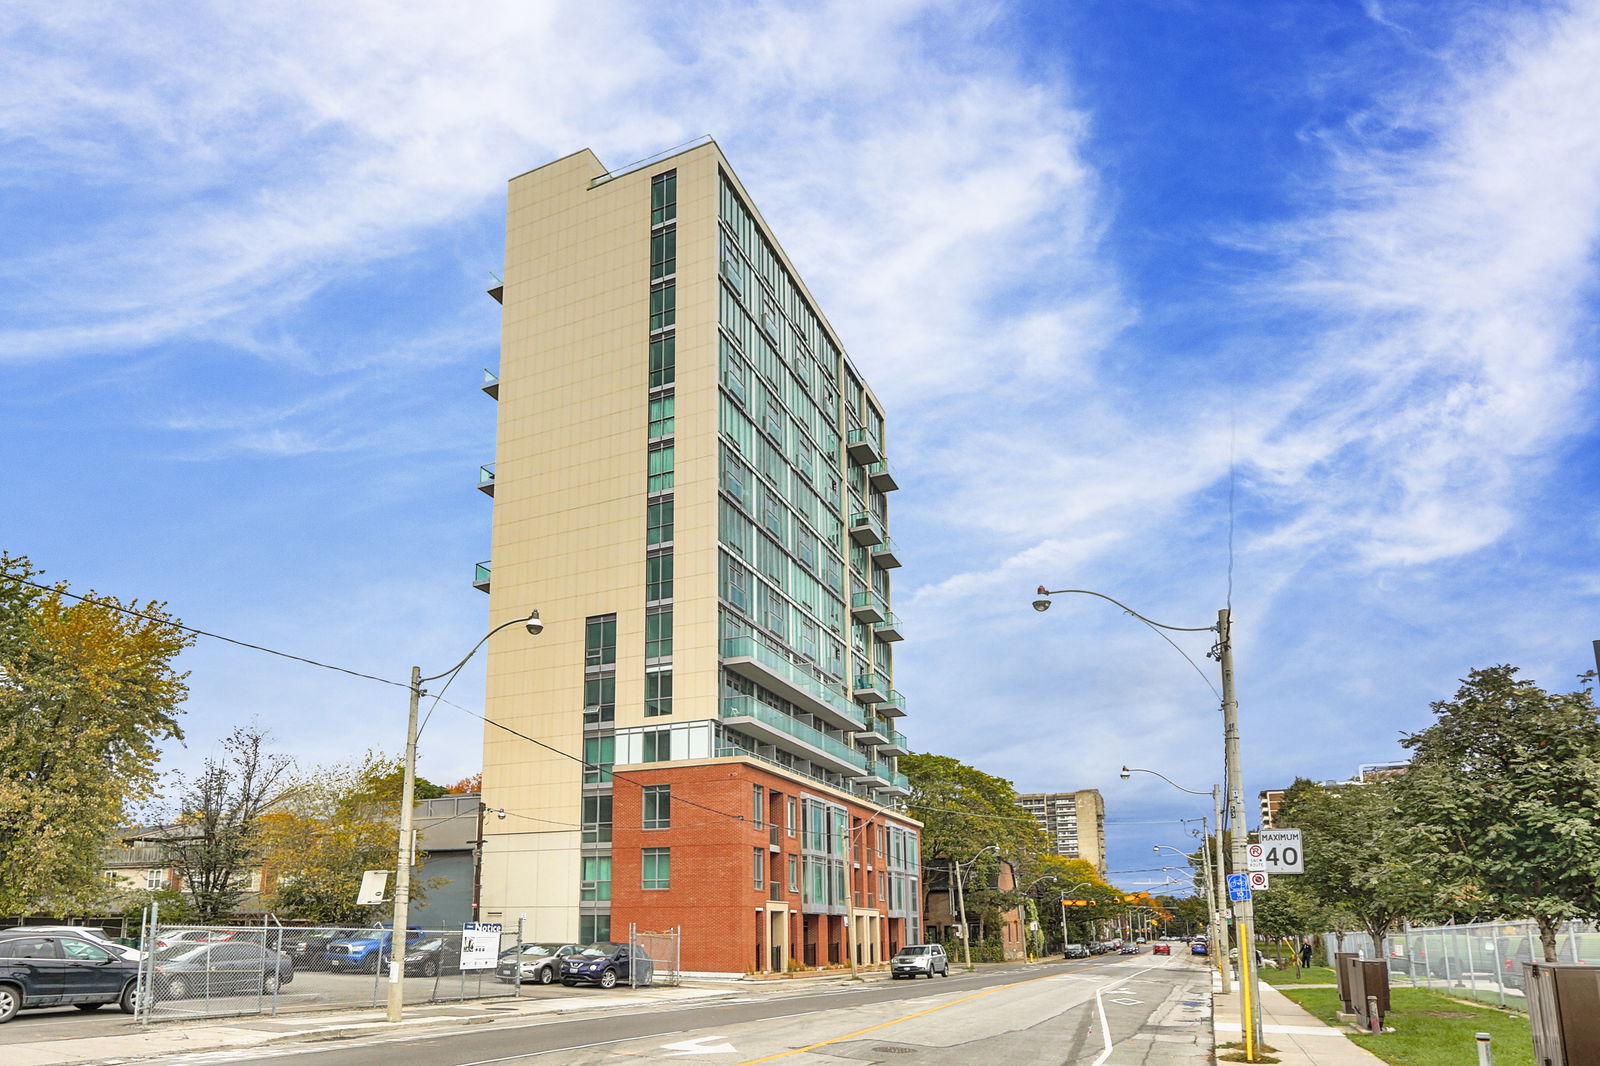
(1110, 265)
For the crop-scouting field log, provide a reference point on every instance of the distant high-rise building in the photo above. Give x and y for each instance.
(1272, 798)
(690, 483)
(1075, 822)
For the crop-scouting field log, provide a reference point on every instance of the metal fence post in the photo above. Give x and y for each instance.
(516, 968)
(1485, 1054)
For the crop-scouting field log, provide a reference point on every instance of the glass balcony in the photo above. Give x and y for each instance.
(899, 784)
(498, 291)
(486, 479)
(895, 745)
(865, 528)
(863, 447)
(876, 775)
(750, 658)
(870, 688)
(892, 707)
(885, 556)
(868, 607)
(875, 734)
(888, 629)
(750, 715)
(480, 576)
(491, 383)
(881, 476)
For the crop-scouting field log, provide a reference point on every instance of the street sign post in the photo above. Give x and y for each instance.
(1282, 852)
(1238, 887)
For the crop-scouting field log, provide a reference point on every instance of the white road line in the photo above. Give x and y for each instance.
(1100, 1005)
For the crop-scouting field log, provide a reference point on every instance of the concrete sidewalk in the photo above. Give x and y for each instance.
(135, 1041)
(1301, 1038)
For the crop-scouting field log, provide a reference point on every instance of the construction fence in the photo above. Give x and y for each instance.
(1480, 960)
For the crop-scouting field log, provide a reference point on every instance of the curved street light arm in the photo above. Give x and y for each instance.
(1089, 592)
(1168, 780)
(465, 658)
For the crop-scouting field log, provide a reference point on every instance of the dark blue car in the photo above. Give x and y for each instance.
(60, 971)
(606, 963)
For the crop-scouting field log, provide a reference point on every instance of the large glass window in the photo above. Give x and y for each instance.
(656, 745)
(657, 693)
(599, 756)
(663, 254)
(664, 197)
(658, 522)
(758, 805)
(658, 633)
(662, 463)
(661, 415)
(758, 867)
(597, 819)
(593, 928)
(600, 640)
(657, 807)
(663, 307)
(663, 361)
(794, 873)
(658, 576)
(599, 699)
(596, 878)
(656, 865)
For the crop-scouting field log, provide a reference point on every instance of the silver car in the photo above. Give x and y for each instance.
(919, 960)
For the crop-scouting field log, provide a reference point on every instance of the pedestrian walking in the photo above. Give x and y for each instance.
(1305, 953)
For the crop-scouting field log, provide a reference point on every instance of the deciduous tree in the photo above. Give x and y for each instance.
(87, 694)
(1504, 791)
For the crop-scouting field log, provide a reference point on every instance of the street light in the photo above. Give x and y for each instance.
(1216, 893)
(1244, 910)
(407, 851)
(961, 901)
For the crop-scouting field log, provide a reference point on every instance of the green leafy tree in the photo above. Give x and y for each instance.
(331, 824)
(1504, 790)
(87, 695)
(1357, 855)
(212, 840)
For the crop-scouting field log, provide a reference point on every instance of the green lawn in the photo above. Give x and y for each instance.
(1431, 1029)
(1309, 975)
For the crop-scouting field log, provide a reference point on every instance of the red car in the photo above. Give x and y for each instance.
(1161, 949)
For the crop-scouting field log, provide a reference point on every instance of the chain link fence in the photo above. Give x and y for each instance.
(192, 971)
(1481, 960)
(657, 957)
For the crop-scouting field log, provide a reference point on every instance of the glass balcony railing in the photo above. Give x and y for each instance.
(825, 699)
(866, 528)
(868, 606)
(885, 555)
(870, 688)
(750, 707)
(889, 629)
(894, 706)
(896, 739)
(486, 479)
(480, 575)
(881, 475)
(491, 383)
(863, 447)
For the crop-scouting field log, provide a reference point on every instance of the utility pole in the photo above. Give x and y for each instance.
(1220, 887)
(961, 915)
(402, 873)
(1243, 910)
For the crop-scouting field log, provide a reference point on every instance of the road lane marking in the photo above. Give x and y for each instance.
(701, 1046)
(1100, 1006)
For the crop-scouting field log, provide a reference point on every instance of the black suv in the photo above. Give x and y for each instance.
(60, 971)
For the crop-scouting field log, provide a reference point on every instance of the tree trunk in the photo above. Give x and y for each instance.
(1548, 928)
(1379, 932)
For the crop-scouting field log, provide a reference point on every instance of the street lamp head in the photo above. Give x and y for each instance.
(532, 622)
(1126, 773)
(1041, 605)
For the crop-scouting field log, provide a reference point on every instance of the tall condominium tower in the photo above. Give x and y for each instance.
(1075, 822)
(690, 485)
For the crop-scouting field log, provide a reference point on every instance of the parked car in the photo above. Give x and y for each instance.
(541, 963)
(431, 957)
(219, 969)
(86, 932)
(305, 946)
(918, 960)
(605, 963)
(59, 970)
(1161, 949)
(1129, 949)
(174, 937)
(363, 951)
(1198, 948)
(1076, 951)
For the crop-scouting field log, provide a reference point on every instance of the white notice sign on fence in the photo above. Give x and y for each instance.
(480, 945)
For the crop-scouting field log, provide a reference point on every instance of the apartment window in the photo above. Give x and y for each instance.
(657, 693)
(593, 928)
(791, 820)
(758, 867)
(155, 880)
(663, 307)
(600, 640)
(596, 878)
(658, 522)
(657, 806)
(658, 576)
(794, 872)
(758, 805)
(663, 254)
(656, 865)
(599, 699)
(663, 361)
(664, 197)
(661, 415)
(658, 633)
(597, 819)
(599, 756)
(656, 746)
(738, 591)
(662, 461)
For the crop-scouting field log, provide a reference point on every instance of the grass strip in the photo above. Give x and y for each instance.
(1431, 1028)
(1308, 975)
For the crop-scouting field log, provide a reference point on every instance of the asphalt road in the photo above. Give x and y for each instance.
(1147, 1009)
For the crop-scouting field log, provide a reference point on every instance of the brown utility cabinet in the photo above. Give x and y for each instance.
(1341, 969)
(1369, 977)
(1563, 1013)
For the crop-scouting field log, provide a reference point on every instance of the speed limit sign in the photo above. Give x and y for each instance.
(1281, 852)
